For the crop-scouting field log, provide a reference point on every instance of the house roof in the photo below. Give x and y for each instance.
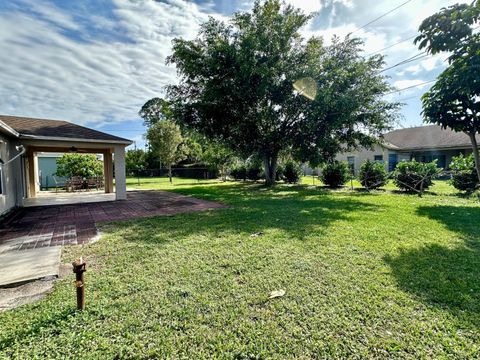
(45, 129)
(426, 137)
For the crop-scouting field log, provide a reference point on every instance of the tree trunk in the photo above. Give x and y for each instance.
(476, 153)
(170, 173)
(270, 168)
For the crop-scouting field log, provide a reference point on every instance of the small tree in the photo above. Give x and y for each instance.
(218, 158)
(464, 175)
(413, 176)
(454, 100)
(166, 140)
(373, 175)
(335, 173)
(84, 165)
(135, 160)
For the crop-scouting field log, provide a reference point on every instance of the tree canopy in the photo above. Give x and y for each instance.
(454, 100)
(249, 84)
(155, 110)
(166, 140)
(135, 160)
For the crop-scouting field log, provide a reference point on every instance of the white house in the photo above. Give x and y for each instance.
(422, 143)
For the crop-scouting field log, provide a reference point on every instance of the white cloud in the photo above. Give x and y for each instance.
(308, 6)
(102, 79)
(44, 73)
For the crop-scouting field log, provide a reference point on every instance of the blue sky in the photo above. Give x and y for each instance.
(95, 62)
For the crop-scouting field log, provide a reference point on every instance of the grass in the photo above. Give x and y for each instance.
(366, 275)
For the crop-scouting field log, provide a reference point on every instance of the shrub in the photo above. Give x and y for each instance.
(373, 175)
(292, 173)
(239, 172)
(335, 173)
(464, 174)
(85, 165)
(413, 176)
(254, 170)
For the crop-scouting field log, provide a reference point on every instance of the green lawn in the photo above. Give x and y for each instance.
(366, 275)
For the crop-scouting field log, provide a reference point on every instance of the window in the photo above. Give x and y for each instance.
(378, 158)
(351, 163)
(441, 161)
(392, 161)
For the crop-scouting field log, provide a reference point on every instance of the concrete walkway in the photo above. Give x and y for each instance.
(17, 267)
(33, 235)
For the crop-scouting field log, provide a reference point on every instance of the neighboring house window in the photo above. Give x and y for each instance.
(351, 163)
(392, 161)
(441, 161)
(378, 158)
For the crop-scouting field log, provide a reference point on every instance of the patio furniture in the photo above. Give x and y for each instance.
(100, 182)
(56, 182)
(91, 183)
(76, 183)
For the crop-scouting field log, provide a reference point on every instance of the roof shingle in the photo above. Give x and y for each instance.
(32, 127)
(427, 137)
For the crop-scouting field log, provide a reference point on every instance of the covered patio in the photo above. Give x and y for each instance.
(113, 167)
(39, 136)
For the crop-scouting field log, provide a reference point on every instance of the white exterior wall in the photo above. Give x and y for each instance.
(360, 156)
(120, 173)
(11, 176)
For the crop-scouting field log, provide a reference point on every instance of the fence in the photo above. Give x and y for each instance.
(189, 173)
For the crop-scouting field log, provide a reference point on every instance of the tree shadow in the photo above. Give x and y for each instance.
(253, 209)
(445, 276)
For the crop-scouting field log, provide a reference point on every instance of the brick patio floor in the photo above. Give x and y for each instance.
(40, 226)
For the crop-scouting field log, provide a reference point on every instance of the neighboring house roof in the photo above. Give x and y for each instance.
(426, 137)
(45, 129)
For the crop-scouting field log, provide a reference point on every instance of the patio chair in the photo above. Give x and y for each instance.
(92, 183)
(76, 182)
(100, 182)
(56, 183)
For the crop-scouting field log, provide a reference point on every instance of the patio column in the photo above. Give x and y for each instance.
(120, 174)
(108, 171)
(32, 174)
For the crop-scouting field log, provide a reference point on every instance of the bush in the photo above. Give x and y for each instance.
(373, 175)
(84, 165)
(254, 170)
(464, 174)
(239, 172)
(292, 173)
(335, 173)
(413, 176)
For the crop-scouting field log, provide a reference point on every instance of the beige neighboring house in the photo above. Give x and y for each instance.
(22, 139)
(422, 143)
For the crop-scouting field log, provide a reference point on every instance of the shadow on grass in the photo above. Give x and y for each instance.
(447, 277)
(53, 321)
(254, 208)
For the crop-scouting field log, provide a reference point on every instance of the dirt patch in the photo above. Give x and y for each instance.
(29, 292)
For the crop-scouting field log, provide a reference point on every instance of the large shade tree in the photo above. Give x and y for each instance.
(237, 83)
(454, 100)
